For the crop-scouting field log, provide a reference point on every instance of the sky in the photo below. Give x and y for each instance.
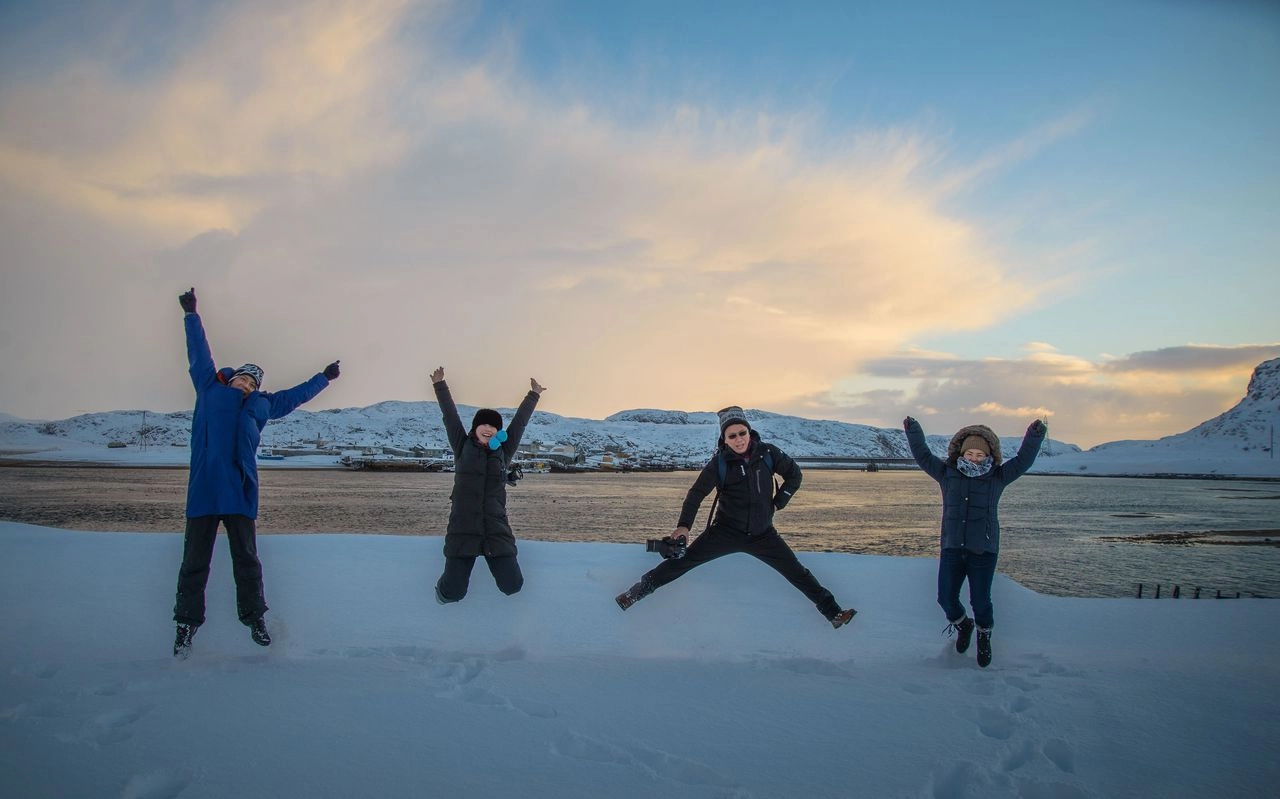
(725, 684)
(975, 213)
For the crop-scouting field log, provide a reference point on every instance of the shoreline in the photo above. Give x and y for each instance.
(44, 463)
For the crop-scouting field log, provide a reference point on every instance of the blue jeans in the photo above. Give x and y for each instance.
(980, 568)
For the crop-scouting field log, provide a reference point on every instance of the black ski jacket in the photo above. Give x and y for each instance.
(749, 495)
(478, 517)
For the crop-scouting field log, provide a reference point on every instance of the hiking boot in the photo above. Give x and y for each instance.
(984, 646)
(258, 632)
(440, 597)
(842, 618)
(182, 642)
(634, 594)
(963, 631)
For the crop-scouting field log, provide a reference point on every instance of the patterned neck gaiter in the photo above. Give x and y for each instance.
(969, 469)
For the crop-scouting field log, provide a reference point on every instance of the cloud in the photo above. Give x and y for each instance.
(337, 182)
(1193, 358)
(1149, 395)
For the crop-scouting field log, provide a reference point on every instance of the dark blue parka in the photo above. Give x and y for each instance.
(478, 517)
(969, 504)
(225, 430)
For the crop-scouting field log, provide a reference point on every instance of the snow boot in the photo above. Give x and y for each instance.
(984, 646)
(963, 631)
(634, 594)
(258, 632)
(182, 642)
(842, 618)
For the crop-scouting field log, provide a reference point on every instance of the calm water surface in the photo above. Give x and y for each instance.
(1051, 526)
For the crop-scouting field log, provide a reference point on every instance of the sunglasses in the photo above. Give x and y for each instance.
(732, 436)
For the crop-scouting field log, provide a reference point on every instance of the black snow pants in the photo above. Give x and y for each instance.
(452, 585)
(197, 554)
(768, 547)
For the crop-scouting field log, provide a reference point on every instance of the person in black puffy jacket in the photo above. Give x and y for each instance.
(478, 522)
(743, 469)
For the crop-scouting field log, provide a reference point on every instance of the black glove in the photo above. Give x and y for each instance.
(188, 301)
(1038, 428)
(907, 422)
(780, 500)
(332, 371)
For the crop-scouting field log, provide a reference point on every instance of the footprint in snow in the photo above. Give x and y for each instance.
(995, 723)
(159, 784)
(112, 727)
(1019, 755)
(1061, 754)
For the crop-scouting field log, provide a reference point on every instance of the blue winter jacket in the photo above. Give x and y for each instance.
(969, 504)
(225, 430)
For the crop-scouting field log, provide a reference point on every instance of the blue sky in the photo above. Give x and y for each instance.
(977, 212)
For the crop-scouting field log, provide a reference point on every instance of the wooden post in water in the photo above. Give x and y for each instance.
(1177, 591)
(1139, 590)
(1197, 596)
(1157, 590)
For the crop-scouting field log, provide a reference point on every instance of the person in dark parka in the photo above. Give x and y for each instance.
(747, 500)
(478, 523)
(231, 411)
(972, 478)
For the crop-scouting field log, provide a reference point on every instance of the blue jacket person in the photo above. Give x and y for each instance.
(231, 411)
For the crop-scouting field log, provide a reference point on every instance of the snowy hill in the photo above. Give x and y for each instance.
(1235, 443)
(674, 436)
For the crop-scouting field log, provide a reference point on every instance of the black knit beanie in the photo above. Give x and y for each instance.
(486, 416)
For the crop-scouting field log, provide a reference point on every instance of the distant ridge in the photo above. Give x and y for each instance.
(1236, 442)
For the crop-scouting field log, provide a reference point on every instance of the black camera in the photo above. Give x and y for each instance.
(667, 546)
(514, 474)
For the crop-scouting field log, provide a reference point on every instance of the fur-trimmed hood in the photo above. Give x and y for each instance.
(993, 441)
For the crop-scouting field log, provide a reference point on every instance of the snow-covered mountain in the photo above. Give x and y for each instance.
(663, 435)
(1235, 443)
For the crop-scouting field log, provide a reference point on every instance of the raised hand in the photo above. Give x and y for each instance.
(910, 420)
(332, 371)
(535, 387)
(438, 375)
(1038, 428)
(187, 300)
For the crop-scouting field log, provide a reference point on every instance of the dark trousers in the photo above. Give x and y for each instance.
(979, 568)
(452, 585)
(768, 547)
(197, 553)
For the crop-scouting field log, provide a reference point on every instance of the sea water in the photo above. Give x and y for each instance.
(1071, 536)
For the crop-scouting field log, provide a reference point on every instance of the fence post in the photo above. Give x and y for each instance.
(1197, 596)
(1157, 590)
(1139, 590)
(1177, 591)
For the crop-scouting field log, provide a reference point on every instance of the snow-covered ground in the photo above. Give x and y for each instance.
(723, 684)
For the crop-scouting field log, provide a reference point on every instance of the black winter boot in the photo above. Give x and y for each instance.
(984, 646)
(963, 631)
(258, 632)
(634, 594)
(182, 642)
